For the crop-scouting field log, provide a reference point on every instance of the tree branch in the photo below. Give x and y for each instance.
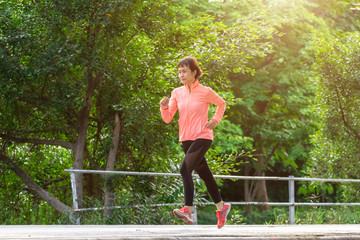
(346, 124)
(64, 144)
(54, 202)
(91, 160)
(48, 183)
(38, 131)
(128, 41)
(271, 154)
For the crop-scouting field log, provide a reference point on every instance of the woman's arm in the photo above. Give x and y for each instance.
(168, 108)
(220, 110)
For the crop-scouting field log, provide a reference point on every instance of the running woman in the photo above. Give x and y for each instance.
(196, 134)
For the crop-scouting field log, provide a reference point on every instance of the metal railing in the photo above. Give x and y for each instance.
(291, 183)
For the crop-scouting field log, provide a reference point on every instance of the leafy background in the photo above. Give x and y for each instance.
(80, 83)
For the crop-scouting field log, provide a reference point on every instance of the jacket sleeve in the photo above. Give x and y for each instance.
(220, 103)
(168, 112)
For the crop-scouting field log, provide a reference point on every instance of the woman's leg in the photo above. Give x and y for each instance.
(194, 153)
(222, 209)
(195, 160)
(206, 175)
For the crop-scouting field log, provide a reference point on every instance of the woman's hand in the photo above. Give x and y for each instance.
(164, 102)
(211, 124)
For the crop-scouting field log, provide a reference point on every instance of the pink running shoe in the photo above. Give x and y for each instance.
(221, 215)
(184, 214)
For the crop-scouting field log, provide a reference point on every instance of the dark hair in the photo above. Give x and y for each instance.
(191, 63)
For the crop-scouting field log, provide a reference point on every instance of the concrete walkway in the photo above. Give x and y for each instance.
(111, 232)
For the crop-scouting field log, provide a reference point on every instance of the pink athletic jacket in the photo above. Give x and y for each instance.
(193, 110)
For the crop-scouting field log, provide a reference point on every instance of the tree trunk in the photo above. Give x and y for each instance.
(51, 200)
(109, 190)
(256, 191)
(82, 133)
(247, 190)
(259, 193)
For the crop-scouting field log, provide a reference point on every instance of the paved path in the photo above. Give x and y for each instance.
(162, 232)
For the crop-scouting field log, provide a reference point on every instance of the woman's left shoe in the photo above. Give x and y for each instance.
(221, 215)
(184, 214)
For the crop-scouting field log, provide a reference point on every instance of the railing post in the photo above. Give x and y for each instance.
(292, 200)
(195, 215)
(75, 199)
(194, 210)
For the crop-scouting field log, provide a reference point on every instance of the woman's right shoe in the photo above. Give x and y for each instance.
(221, 215)
(184, 214)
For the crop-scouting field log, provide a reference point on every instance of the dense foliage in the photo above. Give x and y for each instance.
(80, 83)
(336, 152)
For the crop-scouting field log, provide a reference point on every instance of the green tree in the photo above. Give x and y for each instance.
(69, 70)
(331, 52)
(80, 83)
(336, 151)
(274, 85)
(87, 77)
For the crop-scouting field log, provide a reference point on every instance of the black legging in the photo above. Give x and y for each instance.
(194, 160)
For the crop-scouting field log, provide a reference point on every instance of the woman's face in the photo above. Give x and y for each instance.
(186, 75)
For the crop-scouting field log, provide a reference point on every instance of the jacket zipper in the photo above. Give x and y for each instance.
(187, 113)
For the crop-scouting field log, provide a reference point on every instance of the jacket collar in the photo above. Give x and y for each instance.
(193, 85)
